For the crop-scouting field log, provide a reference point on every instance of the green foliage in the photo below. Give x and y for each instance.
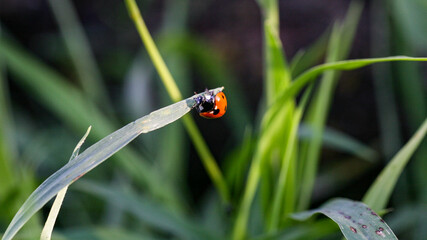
(149, 212)
(267, 178)
(338, 48)
(356, 220)
(380, 191)
(95, 155)
(174, 93)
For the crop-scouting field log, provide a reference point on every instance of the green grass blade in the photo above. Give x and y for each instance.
(387, 109)
(95, 155)
(68, 103)
(171, 87)
(240, 225)
(16, 181)
(172, 163)
(339, 45)
(269, 138)
(338, 48)
(356, 220)
(281, 208)
(54, 211)
(7, 148)
(238, 161)
(277, 77)
(340, 141)
(80, 51)
(148, 212)
(276, 72)
(316, 118)
(379, 193)
(209, 64)
(264, 145)
(407, 20)
(156, 58)
(345, 65)
(307, 58)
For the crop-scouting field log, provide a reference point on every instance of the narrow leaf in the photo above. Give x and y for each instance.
(380, 191)
(95, 155)
(53, 214)
(313, 72)
(172, 88)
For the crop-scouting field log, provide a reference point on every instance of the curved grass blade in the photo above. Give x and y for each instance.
(53, 214)
(317, 112)
(69, 104)
(309, 75)
(355, 219)
(307, 58)
(380, 191)
(214, 71)
(196, 137)
(95, 155)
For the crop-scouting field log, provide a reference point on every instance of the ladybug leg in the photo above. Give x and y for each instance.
(199, 108)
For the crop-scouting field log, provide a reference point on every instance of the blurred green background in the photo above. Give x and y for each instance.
(82, 63)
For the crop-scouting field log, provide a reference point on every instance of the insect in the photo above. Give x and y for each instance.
(211, 106)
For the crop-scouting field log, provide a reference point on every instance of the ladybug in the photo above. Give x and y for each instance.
(211, 106)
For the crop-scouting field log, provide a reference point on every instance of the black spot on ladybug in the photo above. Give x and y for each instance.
(223, 97)
(216, 111)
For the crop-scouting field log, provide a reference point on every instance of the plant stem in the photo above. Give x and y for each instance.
(171, 87)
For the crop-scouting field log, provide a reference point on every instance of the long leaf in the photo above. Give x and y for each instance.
(280, 207)
(53, 214)
(214, 71)
(316, 118)
(338, 48)
(202, 149)
(311, 74)
(95, 155)
(68, 103)
(379, 193)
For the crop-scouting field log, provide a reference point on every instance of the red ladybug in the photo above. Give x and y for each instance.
(210, 106)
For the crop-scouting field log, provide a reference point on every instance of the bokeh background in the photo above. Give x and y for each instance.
(206, 44)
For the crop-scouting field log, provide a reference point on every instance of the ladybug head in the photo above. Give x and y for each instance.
(205, 102)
